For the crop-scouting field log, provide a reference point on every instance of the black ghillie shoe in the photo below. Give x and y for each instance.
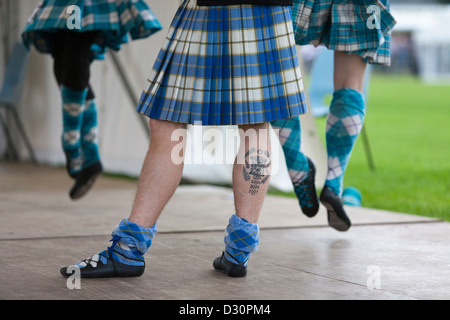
(337, 218)
(85, 180)
(96, 269)
(231, 269)
(306, 192)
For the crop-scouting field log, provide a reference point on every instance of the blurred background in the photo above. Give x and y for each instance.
(400, 164)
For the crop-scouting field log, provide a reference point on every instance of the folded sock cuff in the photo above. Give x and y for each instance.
(242, 235)
(347, 99)
(135, 236)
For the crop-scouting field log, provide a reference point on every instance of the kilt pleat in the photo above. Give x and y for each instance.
(342, 25)
(226, 65)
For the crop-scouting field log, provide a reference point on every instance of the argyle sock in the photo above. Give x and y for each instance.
(241, 240)
(73, 107)
(89, 135)
(290, 140)
(130, 243)
(344, 123)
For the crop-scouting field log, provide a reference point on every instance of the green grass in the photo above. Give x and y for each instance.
(407, 124)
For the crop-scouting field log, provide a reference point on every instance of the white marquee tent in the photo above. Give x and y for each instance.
(123, 140)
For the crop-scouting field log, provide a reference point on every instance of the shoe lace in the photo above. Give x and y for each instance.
(110, 250)
(93, 260)
(115, 239)
(304, 195)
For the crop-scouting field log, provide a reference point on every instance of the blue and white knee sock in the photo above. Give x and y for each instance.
(73, 108)
(130, 243)
(89, 135)
(344, 125)
(290, 140)
(241, 240)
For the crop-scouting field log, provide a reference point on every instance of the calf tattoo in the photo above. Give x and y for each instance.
(256, 168)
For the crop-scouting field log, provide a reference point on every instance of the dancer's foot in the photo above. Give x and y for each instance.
(237, 269)
(85, 180)
(115, 261)
(124, 258)
(337, 218)
(95, 268)
(306, 192)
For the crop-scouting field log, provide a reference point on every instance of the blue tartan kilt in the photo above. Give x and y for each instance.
(350, 26)
(226, 65)
(118, 20)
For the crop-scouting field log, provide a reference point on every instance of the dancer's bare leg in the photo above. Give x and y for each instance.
(160, 175)
(251, 170)
(349, 70)
(251, 174)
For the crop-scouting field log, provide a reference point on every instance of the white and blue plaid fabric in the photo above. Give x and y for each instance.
(118, 19)
(226, 65)
(360, 27)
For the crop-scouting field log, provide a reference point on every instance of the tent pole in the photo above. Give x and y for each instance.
(129, 89)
